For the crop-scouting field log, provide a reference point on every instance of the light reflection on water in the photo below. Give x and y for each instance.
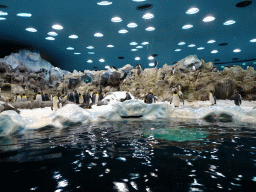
(134, 156)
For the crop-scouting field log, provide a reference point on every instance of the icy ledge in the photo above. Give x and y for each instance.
(11, 122)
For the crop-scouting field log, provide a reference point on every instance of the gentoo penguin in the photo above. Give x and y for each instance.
(237, 99)
(55, 102)
(18, 98)
(24, 98)
(212, 98)
(175, 99)
(81, 99)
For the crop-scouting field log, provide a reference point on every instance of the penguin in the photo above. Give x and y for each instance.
(76, 97)
(127, 97)
(81, 99)
(43, 97)
(180, 94)
(46, 97)
(153, 97)
(237, 99)
(18, 98)
(55, 102)
(179, 87)
(24, 98)
(87, 98)
(39, 97)
(114, 67)
(212, 98)
(100, 96)
(193, 68)
(156, 63)
(63, 101)
(175, 99)
(96, 98)
(71, 97)
(93, 98)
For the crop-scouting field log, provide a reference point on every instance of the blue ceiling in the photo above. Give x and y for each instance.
(84, 18)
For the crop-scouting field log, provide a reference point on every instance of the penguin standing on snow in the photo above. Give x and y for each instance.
(24, 98)
(237, 99)
(81, 99)
(175, 99)
(18, 98)
(55, 102)
(71, 97)
(76, 97)
(212, 98)
(39, 97)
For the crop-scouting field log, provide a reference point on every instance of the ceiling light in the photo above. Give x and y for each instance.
(89, 61)
(145, 43)
(137, 58)
(150, 29)
(237, 50)
(191, 45)
(104, 3)
(2, 18)
(214, 51)
(208, 19)
(91, 53)
(187, 26)
(70, 48)
(134, 49)
(24, 14)
(110, 46)
(192, 10)
(57, 27)
(222, 66)
(177, 49)
(132, 25)
(138, 0)
(52, 33)
(253, 40)
(31, 29)
(77, 53)
(151, 64)
(123, 31)
(98, 35)
(200, 48)
(102, 60)
(181, 43)
(211, 41)
(150, 58)
(73, 37)
(133, 43)
(139, 47)
(107, 67)
(90, 47)
(244, 63)
(116, 19)
(229, 22)
(50, 38)
(3, 13)
(148, 16)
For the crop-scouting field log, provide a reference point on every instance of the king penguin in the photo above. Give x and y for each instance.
(212, 98)
(81, 99)
(24, 98)
(39, 97)
(175, 99)
(18, 98)
(55, 102)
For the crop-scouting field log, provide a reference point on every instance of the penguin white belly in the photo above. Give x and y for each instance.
(39, 97)
(176, 100)
(96, 99)
(18, 99)
(55, 103)
(211, 98)
(24, 99)
(81, 100)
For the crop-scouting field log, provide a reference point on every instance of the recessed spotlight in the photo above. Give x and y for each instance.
(144, 7)
(237, 50)
(244, 4)
(192, 10)
(133, 43)
(191, 45)
(137, 58)
(138, 0)
(187, 26)
(101, 60)
(89, 61)
(57, 27)
(91, 53)
(98, 35)
(73, 37)
(2, 18)
(139, 47)
(70, 48)
(148, 16)
(116, 19)
(90, 47)
(150, 58)
(211, 41)
(31, 29)
(229, 22)
(181, 43)
(134, 49)
(253, 40)
(214, 51)
(123, 31)
(150, 29)
(132, 25)
(52, 33)
(151, 64)
(50, 38)
(104, 3)
(24, 14)
(145, 43)
(77, 53)
(110, 46)
(208, 19)
(3, 13)
(177, 50)
(200, 48)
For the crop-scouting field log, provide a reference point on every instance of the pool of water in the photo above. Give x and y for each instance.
(132, 155)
